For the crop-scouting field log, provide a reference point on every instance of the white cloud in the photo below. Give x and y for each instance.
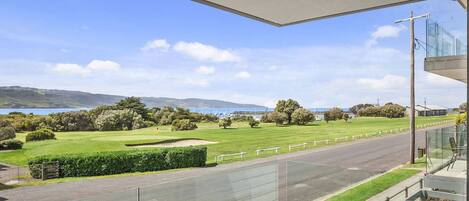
(157, 44)
(206, 70)
(101, 65)
(93, 66)
(385, 83)
(204, 52)
(243, 75)
(386, 31)
(70, 68)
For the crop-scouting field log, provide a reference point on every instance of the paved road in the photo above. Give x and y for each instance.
(299, 176)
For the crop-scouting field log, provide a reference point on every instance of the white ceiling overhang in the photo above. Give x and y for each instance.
(286, 12)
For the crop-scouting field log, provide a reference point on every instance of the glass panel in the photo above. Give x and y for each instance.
(273, 181)
(440, 152)
(308, 181)
(441, 42)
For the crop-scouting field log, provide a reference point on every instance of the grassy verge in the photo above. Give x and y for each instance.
(369, 189)
(5, 187)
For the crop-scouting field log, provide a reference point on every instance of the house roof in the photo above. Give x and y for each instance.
(421, 108)
(286, 12)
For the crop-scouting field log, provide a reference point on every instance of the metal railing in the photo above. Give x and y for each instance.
(405, 191)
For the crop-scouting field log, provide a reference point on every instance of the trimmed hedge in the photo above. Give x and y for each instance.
(11, 144)
(107, 163)
(41, 134)
(7, 133)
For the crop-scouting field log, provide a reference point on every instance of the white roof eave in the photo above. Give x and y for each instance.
(287, 12)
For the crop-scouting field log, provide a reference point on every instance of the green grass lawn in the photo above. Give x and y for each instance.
(236, 139)
(369, 189)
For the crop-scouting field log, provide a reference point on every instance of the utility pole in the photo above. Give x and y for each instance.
(411, 20)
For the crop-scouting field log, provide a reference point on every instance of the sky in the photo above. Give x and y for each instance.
(183, 49)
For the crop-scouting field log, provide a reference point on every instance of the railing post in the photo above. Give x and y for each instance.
(421, 183)
(138, 193)
(406, 191)
(387, 199)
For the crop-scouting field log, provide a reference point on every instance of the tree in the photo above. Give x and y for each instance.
(164, 116)
(252, 122)
(225, 122)
(278, 117)
(135, 104)
(354, 109)
(345, 117)
(335, 113)
(327, 117)
(95, 112)
(392, 111)
(302, 116)
(287, 107)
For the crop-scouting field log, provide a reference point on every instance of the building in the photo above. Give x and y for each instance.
(429, 110)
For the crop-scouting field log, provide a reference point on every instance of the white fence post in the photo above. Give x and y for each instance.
(290, 147)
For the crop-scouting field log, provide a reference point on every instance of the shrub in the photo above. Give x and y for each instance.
(29, 123)
(4, 123)
(182, 125)
(72, 121)
(112, 120)
(252, 122)
(370, 112)
(95, 112)
(17, 114)
(41, 134)
(226, 122)
(461, 118)
(278, 118)
(166, 115)
(107, 163)
(7, 133)
(302, 116)
(11, 144)
(389, 110)
(239, 117)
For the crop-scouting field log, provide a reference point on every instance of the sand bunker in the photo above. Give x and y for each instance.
(180, 143)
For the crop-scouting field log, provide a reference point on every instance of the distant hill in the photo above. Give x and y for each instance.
(24, 97)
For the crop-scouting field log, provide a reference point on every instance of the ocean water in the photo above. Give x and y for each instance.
(216, 111)
(39, 111)
(46, 111)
